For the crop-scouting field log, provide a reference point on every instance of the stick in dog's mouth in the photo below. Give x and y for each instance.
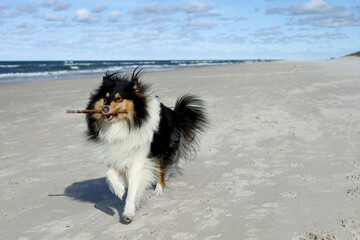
(108, 116)
(94, 111)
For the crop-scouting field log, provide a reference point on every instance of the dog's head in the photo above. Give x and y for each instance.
(119, 98)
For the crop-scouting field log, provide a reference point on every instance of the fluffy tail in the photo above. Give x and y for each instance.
(192, 120)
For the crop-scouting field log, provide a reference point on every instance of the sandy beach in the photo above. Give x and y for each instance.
(280, 159)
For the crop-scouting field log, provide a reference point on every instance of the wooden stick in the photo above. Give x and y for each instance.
(93, 111)
(83, 111)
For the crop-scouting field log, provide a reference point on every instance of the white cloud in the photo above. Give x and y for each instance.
(329, 35)
(226, 38)
(54, 17)
(3, 7)
(62, 6)
(56, 5)
(22, 24)
(310, 7)
(68, 42)
(275, 10)
(114, 16)
(198, 25)
(24, 28)
(317, 13)
(338, 19)
(48, 3)
(265, 32)
(318, 35)
(99, 8)
(155, 8)
(265, 36)
(313, 7)
(85, 16)
(194, 7)
(238, 19)
(28, 8)
(272, 27)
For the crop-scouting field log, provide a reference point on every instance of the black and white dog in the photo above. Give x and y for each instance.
(141, 137)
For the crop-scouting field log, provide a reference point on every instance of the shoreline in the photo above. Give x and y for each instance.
(52, 70)
(100, 76)
(174, 69)
(280, 159)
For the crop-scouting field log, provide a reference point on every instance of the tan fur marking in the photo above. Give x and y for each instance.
(107, 95)
(98, 106)
(161, 179)
(117, 95)
(115, 106)
(129, 106)
(160, 176)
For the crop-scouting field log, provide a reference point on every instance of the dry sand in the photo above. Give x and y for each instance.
(279, 161)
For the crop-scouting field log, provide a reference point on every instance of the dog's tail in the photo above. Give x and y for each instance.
(192, 120)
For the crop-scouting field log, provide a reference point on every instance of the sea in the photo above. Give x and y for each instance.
(23, 71)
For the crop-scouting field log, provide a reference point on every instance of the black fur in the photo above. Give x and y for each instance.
(179, 131)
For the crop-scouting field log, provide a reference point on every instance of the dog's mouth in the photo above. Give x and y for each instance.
(110, 117)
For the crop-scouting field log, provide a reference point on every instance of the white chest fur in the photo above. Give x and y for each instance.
(124, 146)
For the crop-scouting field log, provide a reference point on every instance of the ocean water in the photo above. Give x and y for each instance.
(22, 71)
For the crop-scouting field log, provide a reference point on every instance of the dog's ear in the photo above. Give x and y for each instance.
(135, 81)
(108, 78)
(105, 80)
(135, 78)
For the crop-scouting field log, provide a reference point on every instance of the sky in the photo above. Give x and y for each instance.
(163, 30)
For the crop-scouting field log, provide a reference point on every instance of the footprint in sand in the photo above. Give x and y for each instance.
(354, 192)
(173, 212)
(353, 177)
(303, 178)
(22, 180)
(287, 194)
(353, 226)
(317, 235)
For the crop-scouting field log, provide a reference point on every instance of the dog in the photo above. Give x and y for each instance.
(141, 138)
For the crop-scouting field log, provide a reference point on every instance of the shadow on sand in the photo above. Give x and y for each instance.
(96, 191)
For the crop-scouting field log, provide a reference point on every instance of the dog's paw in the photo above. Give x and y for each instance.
(127, 219)
(120, 194)
(117, 189)
(158, 190)
(129, 212)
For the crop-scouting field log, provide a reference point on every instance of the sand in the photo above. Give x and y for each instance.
(280, 159)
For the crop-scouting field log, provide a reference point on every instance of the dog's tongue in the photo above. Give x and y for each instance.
(109, 117)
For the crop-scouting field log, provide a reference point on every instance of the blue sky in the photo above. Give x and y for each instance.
(145, 29)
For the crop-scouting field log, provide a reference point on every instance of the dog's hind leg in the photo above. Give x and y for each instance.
(160, 182)
(115, 182)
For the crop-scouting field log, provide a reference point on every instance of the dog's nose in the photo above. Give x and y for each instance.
(105, 109)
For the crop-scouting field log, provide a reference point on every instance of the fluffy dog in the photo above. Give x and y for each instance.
(141, 138)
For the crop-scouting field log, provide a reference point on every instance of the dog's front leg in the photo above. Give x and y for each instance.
(115, 182)
(134, 185)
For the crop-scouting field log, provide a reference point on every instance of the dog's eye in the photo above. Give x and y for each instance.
(118, 100)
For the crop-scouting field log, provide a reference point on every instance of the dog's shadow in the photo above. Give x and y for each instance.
(96, 191)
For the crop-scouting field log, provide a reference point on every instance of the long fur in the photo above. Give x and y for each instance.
(141, 146)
